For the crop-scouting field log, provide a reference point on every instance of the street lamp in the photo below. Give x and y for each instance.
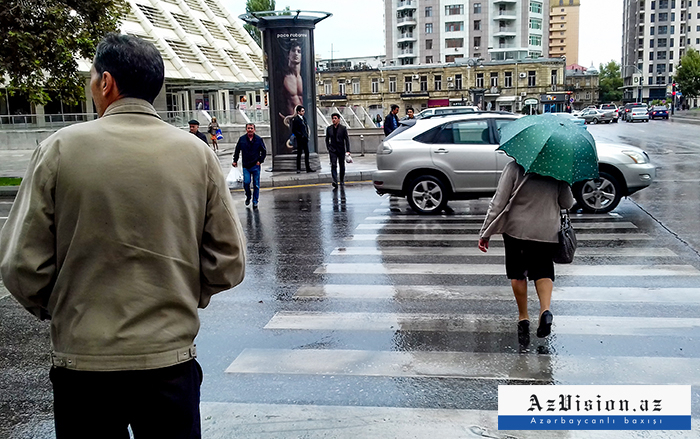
(639, 83)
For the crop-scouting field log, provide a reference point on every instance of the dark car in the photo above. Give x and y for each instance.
(627, 110)
(658, 112)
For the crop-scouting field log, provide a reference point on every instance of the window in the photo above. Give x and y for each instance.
(671, 43)
(423, 83)
(663, 30)
(454, 9)
(477, 24)
(673, 16)
(651, 30)
(535, 23)
(454, 26)
(356, 86)
(470, 132)
(375, 85)
(535, 40)
(554, 77)
(531, 78)
(536, 7)
(651, 56)
(663, 16)
(479, 80)
(429, 59)
(661, 55)
(494, 79)
(670, 55)
(477, 8)
(477, 42)
(651, 68)
(673, 30)
(438, 82)
(327, 87)
(428, 11)
(392, 84)
(653, 5)
(651, 44)
(454, 42)
(428, 28)
(428, 44)
(661, 69)
(663, 4)
(653, 17)
(508, 79)
(661, 42)
(407, 84)
(458, 82)
(341, 86)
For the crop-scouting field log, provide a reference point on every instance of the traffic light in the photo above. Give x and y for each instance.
(266, 99)
(673, 92)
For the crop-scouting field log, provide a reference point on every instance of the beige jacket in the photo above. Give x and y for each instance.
(533, 213)
(121, 229)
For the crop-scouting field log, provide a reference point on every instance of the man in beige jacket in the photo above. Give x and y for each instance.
(122, 228)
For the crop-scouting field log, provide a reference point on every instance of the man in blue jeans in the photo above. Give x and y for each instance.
(252, 148)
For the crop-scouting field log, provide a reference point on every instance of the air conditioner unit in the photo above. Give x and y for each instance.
(320, 82)
(523, 93)
(523, 75)
(415, 76)
(381, 79)
(450, 79)
(347, 81)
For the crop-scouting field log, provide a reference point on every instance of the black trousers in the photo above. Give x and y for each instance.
(158, 403)
(339, 161)
(303, 146)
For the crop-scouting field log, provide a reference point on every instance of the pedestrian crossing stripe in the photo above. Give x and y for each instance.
(465, 292)
(477, 226)
(607, 252)
(479, 218)
(481, 323)
(499, 269)
(540, 368)
(607, 237)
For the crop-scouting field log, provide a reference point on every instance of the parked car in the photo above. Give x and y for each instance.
(442, 111)
(594, 116)
(613, 108)
(658, 112)
(628, 108)
(442, 158)
(638, 113)
(572, 118)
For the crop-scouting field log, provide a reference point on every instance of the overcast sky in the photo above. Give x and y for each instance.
(357, 28)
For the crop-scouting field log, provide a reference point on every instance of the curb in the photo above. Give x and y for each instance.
(6, 191)
(688, 120)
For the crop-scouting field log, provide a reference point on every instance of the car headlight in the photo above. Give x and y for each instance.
(638, 157)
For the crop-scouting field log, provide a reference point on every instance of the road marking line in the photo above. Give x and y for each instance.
(477, 226)
(494, 251)
(499, 269)
(482, 323)
(474, 237)
(464, 292)
(560, 369)
(480, 217)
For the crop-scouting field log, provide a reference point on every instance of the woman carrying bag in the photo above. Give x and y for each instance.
(526, 211)
(214, 131)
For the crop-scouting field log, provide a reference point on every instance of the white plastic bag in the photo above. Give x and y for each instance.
(234, 180)
(348, 158)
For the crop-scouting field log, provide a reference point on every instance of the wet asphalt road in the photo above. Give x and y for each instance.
(351, 300)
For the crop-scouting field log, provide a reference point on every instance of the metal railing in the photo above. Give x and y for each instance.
(24, 121)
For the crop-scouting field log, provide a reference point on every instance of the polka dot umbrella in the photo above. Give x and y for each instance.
(552, 146)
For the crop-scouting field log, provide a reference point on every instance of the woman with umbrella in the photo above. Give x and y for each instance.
(526, 209)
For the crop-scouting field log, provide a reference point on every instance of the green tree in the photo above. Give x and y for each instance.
(257, 6)
(41, 40)
(688, 74)
(610, 82)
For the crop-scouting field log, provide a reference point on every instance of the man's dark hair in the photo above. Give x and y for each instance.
(135, 64)
(335, 114)
(299, 108)
(410, 108)
(250, 124)
(394, 107)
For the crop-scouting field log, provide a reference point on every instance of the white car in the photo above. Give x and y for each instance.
(431, 161)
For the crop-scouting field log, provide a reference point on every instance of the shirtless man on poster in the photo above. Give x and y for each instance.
(293, 86)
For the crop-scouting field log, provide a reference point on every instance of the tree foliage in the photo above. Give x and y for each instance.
(610, 82)
(688, 74)
(40, 40)
(257, 6)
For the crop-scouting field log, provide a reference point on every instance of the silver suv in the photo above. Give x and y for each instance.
(431, 161)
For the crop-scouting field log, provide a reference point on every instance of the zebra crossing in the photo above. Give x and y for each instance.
(417, 278)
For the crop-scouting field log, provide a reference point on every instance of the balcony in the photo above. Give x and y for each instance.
(414, 94)
(404, 5)
(505, 15)
(407, 53)
(406, 37)
(406, 21)
(507, 31)
(337, 97)
(505, 2)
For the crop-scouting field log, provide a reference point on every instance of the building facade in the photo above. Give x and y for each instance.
(584, 86)
(362, 94)
(443, 31)
(564, 29)
(656, 35)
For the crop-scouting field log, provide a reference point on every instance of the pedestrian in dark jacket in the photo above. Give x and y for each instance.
(194, 129)
(252, 149)
(391, 121)
(300, 129)
(338, 144)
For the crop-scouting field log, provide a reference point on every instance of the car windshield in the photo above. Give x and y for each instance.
(660, 108)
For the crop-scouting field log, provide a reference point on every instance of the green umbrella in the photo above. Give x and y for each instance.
(550, 145)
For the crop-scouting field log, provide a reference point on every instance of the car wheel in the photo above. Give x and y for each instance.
(427, 195)
(594, 121)
(598, 196)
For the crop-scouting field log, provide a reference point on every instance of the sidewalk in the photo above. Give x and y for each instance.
(13, 164)
(686, 116)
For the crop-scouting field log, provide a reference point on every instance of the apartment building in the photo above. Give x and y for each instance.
(443, 31)
(655, 36)
(564, 29)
